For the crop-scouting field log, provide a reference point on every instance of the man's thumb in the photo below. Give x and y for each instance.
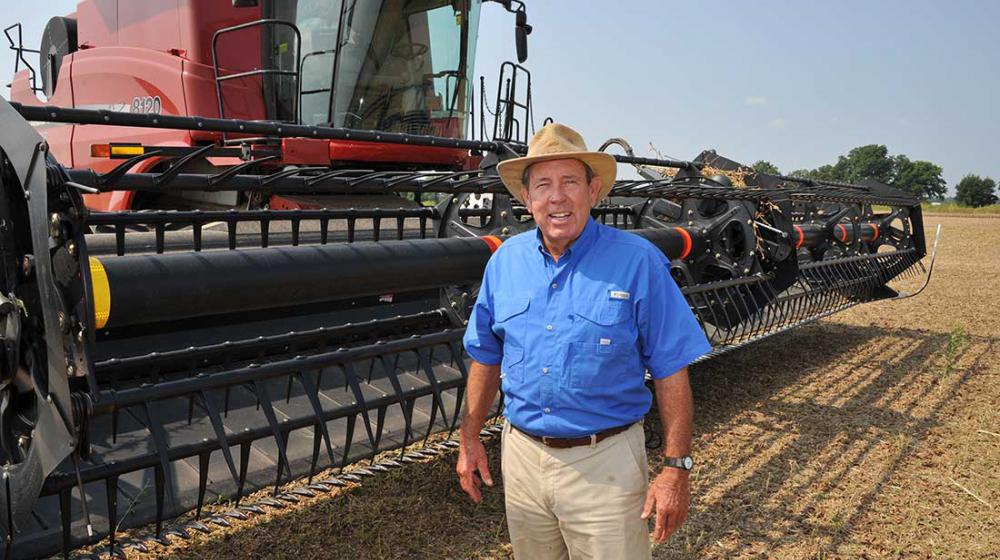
(648, 508)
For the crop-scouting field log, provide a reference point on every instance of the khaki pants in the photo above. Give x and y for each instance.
(578, 503)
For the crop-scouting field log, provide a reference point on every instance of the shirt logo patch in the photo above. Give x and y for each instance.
(605, 342)
(615, 294)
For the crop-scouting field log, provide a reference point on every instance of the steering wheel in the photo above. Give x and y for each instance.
(408, 50)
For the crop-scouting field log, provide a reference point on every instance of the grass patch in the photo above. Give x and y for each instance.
(956, 340)
(955, 208)
(948, 208)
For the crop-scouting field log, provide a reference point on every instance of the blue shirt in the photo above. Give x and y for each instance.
(574, 338)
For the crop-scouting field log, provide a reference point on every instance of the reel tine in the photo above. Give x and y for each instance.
(423, 356)
(159, 478)
(772, 313)
(801, 302)
(244, 464)
(457, 412)
(807, 301)
(359, 397)
(203, 462)
(312, 392)
(390, 371)
(220, 434)
(733, 303)
(317, 443)
(264, 400)
(828, 293)
(732, 311)
(155, 427)
(706, 309)
(379, 427)
(747, 324)
(348, 439)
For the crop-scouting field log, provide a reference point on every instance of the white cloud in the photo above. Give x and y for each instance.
(779, 122)
(755, 100)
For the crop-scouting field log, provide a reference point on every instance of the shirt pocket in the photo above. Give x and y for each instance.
(511, 366)
(509, 317)
(606, 362)
(598, 365)
(605, 312)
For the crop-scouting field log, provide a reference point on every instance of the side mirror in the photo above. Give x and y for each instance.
(521, 32)
(521, 40)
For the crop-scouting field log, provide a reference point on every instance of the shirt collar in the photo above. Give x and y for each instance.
(579, 246)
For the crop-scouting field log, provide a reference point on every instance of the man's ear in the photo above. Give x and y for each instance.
(524, 196)
(596, 184)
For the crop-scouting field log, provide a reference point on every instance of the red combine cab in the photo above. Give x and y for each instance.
(392, 66)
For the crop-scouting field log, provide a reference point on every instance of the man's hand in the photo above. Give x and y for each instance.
(484, 381)
(472, 461)
(668, 496)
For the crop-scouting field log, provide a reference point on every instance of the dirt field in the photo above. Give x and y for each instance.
(873, 434)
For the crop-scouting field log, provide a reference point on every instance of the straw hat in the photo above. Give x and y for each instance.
(558, 141)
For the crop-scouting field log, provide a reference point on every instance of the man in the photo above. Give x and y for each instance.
(570, 317)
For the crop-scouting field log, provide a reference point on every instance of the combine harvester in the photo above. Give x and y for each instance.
(281, 285)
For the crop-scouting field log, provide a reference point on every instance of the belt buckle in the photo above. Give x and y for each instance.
(545, 441)
(593, 440)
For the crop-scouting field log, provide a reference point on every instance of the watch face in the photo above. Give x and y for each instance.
(688, 462)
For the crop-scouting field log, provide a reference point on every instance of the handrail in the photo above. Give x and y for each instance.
(508, 104)
(19, 49)
(219, 78)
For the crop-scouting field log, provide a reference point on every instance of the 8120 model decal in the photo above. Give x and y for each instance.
(146, 104)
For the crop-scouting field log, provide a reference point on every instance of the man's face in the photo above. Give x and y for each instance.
(560, 198)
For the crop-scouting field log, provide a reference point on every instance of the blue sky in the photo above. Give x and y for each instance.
(797, 83)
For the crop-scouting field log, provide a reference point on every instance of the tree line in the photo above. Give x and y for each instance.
(918, 177)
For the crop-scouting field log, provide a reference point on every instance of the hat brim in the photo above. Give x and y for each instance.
(603, 165)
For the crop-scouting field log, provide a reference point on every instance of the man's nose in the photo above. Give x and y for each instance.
(558, 194)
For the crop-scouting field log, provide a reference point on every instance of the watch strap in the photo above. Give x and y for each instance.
(684, 462)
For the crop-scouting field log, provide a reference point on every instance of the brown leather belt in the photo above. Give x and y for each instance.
(563, 443)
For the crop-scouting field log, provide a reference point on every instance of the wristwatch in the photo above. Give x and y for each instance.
(685, 462)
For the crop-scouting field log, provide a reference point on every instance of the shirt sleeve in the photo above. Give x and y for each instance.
(669, 334)
(481, 343)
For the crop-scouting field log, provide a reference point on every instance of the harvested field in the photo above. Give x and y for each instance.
(873, 434)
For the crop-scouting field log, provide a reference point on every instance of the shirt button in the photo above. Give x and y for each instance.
(547, 410)
(548, 327)
(555, 285)
(545, 370)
